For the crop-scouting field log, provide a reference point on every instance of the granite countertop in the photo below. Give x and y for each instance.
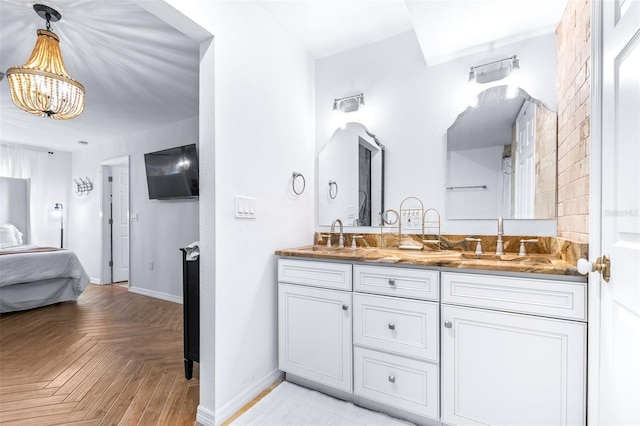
(537, 263)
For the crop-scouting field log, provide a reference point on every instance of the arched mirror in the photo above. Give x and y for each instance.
(501, 159)
(351, 178)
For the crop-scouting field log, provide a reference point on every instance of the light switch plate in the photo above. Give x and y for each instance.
(245, 207)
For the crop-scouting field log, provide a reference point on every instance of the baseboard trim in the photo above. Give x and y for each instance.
(95, 281)
(233, 406)
(156, 294)
(205, 417)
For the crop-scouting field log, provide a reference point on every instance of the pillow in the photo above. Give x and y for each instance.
(9, 235)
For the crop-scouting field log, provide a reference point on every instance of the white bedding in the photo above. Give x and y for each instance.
(29, 280)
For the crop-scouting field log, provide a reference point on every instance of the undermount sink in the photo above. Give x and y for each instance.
(505, 257)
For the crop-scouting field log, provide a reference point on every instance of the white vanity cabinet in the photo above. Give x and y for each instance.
(513, 351)
(396, 339)
(315, 321)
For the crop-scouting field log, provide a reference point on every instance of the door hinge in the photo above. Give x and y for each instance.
(111, 263)
(110, 221)
(110, 178)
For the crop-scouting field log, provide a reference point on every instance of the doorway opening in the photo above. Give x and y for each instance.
(115, 221)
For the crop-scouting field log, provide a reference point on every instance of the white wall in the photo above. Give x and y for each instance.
(85, 213)
(258, 132)
(162, 227)
(409, 107)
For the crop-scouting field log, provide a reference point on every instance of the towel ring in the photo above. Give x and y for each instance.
(297, 175)
(332, 194)
(386, 220)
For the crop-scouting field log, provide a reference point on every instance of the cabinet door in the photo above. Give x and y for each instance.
(511, 369)
(314, 334)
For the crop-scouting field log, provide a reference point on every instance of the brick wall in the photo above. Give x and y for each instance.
(573, 37)
(546, 163)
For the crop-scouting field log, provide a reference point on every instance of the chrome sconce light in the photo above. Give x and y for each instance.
(503, 71)
(349, 103)
(352, 105)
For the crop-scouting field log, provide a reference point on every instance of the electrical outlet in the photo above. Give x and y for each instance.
(151, 265)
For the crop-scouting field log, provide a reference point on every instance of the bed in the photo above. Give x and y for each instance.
(32, 276)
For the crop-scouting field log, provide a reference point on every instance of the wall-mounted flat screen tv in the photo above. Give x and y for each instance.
(172, 173)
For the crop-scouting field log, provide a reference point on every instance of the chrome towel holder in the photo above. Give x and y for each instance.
(333, 194)
(295, 176)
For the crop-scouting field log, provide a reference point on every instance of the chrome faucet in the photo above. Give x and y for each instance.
(499, 244)
(333, 229)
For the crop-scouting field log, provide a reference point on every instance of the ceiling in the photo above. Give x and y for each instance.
(134, 66)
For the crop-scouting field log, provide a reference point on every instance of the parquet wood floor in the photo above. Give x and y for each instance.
(111, 358)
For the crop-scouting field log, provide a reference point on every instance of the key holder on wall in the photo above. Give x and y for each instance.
(83, 187)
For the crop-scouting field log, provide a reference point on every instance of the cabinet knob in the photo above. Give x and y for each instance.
(392, 326)
(448, 324)
(392, 281)
(392, 379)
(345, 307)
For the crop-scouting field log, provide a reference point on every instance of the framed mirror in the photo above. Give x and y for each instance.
(501, 159)
(351, 178)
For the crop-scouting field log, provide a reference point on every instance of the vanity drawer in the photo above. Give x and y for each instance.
(561, 299)
(405, 282)
(318, 274)
(400, 382)
(407, 327)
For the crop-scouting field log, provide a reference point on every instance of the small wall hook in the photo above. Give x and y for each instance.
(83, 187)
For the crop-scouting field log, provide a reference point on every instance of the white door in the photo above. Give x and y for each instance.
(120, 217)
(525, 167)
(615, 382)
(509, 369)
(314, 334)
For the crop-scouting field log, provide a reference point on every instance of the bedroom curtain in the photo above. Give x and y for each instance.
(28, 163)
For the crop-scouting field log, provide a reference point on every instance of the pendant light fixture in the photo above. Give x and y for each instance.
(42, 86)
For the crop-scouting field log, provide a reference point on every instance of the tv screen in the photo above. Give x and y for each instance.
(172, 173)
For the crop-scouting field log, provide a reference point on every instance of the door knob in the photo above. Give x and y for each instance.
(602, 265)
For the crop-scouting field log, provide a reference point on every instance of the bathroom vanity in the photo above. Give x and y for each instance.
(436, 338)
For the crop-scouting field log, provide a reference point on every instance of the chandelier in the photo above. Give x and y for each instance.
(42, 86)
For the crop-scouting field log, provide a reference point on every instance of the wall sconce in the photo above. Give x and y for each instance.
(482, 77)
(83, 187)
(348, 105)
(57, 210)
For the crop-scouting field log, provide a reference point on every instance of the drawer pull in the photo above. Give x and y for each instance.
(392, 326)
(392, 281)
(447, 324)
(345, 307)
(392, 379)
